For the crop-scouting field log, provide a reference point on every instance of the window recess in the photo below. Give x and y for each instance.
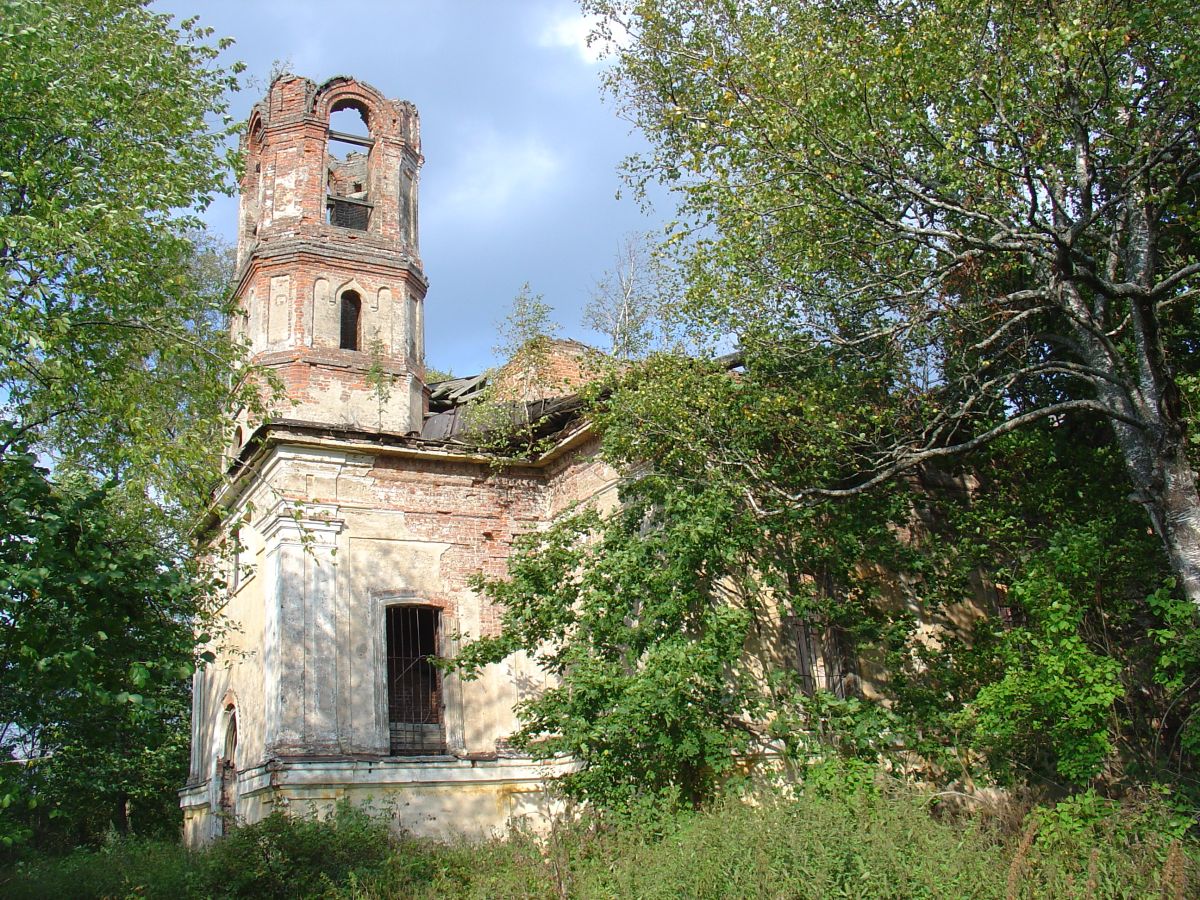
(414, 683)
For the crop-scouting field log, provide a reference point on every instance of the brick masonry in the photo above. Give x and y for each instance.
(342, 511)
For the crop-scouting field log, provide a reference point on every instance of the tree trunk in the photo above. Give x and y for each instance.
(1155, 454)
(1166, 485)
(1180, 522)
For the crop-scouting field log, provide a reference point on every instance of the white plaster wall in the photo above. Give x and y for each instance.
(335, 535)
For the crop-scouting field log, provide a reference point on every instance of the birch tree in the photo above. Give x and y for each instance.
(626, 302)
(998, 198)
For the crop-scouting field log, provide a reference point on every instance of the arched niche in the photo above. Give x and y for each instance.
(228, 770)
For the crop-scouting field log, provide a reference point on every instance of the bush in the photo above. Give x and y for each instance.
(121, 868)
(284, 856)
(847, 836)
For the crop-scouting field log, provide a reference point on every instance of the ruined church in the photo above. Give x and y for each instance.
(357, 512)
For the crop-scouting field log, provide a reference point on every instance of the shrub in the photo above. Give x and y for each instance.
(848, 836)
(121, 868)
(285, 856)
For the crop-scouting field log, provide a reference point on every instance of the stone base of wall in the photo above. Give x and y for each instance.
(439, 797)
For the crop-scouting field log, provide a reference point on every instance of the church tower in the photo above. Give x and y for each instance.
(331, 290)
(351, 523)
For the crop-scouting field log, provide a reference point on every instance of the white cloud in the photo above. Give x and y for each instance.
(571, 31)
(495, 175)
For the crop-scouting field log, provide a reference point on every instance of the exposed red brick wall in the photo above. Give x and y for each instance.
(283, 233)
(476, 510)
(547, 367)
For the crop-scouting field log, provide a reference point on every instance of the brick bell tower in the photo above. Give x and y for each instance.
(330, 294)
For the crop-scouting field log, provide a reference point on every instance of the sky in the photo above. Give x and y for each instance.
(522, 148)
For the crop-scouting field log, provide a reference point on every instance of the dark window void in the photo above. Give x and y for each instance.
(826, 661)
(408, 209)
(351, 314)
(414, 684)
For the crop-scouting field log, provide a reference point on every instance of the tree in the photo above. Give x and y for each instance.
(658, 621)
(528, 325)
(998, 199)
(117, 370)
(98, 639)
(1010, 624)
(626, 302)
(113, 346)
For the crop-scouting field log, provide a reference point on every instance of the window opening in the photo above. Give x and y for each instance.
(347, 203)
(228, 763)
(825, 660)
(351, 313)
(348, 131)
(408, 207)
(806, 661)
(841, 664)
(413, 681)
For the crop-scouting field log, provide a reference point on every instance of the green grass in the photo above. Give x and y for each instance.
(875, 843)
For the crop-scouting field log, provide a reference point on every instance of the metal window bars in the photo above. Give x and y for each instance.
(414, 683)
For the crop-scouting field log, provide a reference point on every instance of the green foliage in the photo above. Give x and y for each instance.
(527, 327)
(282, 856)
(502, 421)
(841, 779)
(1085, 675)
(1091, 672)
(658, 620)
(122, 867)
(837, 842)
(945, 187)
(97, 644)
(1055, 695)
(642, 645)
(116, 368)
(113, 344)
(378, 378)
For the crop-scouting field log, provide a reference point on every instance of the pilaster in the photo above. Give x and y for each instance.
(300, 647)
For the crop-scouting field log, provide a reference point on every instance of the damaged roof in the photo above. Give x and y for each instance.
(450, 404)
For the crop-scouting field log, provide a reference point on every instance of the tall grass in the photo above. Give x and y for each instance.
(880, 842)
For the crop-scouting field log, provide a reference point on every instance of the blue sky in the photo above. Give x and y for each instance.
(521, 148)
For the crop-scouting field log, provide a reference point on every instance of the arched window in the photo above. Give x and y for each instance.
(348, 159)
(229, 774)
(351, 316)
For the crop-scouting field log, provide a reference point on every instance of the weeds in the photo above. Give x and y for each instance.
(847, 840)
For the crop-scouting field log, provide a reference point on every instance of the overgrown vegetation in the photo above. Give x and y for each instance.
(1062, 656)
(956, 243)
(116, 377)
(96, 646)
(844, 837)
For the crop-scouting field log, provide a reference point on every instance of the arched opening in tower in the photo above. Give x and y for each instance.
(348, 166)
(351, 316)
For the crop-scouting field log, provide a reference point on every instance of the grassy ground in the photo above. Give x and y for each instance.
(889, 842)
